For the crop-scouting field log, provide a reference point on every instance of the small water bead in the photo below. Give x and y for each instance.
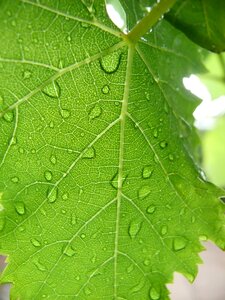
(73, 219)
(164, 230)
(143, 192)
(83, 236)
(51, 124)
(52, 194)
(20, 208)
(65, 113)
(155, 133)
(65, 196)
(87, 291)
(105, 89)
(69, 251)
(27, 74)
(8, 116)
(151, 209)
(69, 39)
(139, 286)
(111, 62)
(89, 153)
(147, 172)
(166, 108)
(39, 265)
(171, 157)
(95, 112)
(130, 268)
(179, 243)
(147, 96)
(52, 90)
(84, 25)
(134, 228)
(53, 159)
(48, 175)
(147, 262)
(35, 242)
(154, 293)
(163, 144)
(15, 179)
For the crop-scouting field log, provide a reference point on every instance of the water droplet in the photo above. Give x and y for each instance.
(130, 268)
(52, 194)
(26, 74)
(73, 219)
(111, 62)
(39, 265)
(105, 89)
(20, 208)
(69, 251)
(147, 172)
(21, 229)
(95, 112)
(163, 144)
(171, 157)
(35, 242)
(15, 179)
(179, 243)
(51, 124)
(155, 133)
(144, 191)
(134, 228)
(53, 159)
(147, 262)
(65, 113)
(139, 286)
(84, 25)
(154, 293)
(164, 229)
(151, 209)
(2, 223)
(78, 278)
(90, 153)
(69, 39)
(52, 90)
(65, 196)
(8, 116)
(48, 175)
(83, 236)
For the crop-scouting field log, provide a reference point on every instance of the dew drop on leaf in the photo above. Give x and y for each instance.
(139, 286)
(52, 194)
(26, 74)
(164, 229)
(65, 196)
(130, 268)
(39, 265)
(179, 243)
(134, 228)
(69, 251)
(163, 144)
(144, 191)
(52, 90)
(151, 209)
(111, 62)
(20, 208)
(89, 153)
(53, 159)
(15, 179)
(171, 157)
(48, 175)
(154, 293)
(95, 112)
(65, 113)
(105, 89)
(51, 124)
(155, 133)
(147, 172)
(35, 242)
(83, 236)
(8, 116)
(84, 25)
(147, 262)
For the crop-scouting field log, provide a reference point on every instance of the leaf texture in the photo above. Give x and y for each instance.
(100, 197)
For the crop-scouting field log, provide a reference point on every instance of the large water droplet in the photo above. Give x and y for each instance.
(35, 242)
(52, 194)
(8, 116)
(179, 243)
(52, 90)
(144, 191)
(134, 228)
(154, 293)
(48, 175)
(90, 153)
(95, 112)
(111, 62)
(69, 251)
(20, 208)
(147, 172)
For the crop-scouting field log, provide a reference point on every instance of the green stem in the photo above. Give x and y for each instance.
(149, 20)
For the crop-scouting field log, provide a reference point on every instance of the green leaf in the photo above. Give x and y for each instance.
(100, 197)
(203, 21)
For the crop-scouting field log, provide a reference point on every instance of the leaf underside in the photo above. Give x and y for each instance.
(100, 196)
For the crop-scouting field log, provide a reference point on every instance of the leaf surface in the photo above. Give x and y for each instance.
(100, 197)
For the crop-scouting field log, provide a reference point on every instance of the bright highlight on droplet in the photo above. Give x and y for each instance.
(116, 14)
